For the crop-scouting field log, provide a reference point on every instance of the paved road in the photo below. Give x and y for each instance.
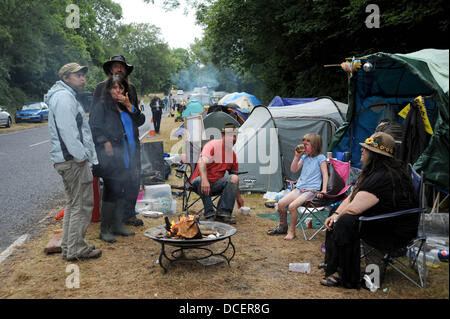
(29, 185)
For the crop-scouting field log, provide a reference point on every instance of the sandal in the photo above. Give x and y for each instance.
(322, 266)
(331, 283)
(280, 230)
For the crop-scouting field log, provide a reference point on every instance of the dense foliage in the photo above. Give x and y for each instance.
(264, 47)
(36, 40)
(285, 43)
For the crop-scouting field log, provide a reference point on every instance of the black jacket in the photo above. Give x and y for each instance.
(415, 138)
(106, 125)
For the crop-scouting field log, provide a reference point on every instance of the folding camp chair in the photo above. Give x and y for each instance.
(188, 172)
(413, 251)
(313, 208)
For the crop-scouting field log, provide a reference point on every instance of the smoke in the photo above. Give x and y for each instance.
(227, 80)
(197, 76)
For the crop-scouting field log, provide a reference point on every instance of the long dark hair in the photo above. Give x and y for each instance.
(394, 169)
(106, 93)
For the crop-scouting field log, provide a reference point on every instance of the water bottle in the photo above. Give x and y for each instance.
(432, 258)
(300, 267)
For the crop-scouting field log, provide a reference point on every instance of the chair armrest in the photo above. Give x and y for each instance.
(394, 214)
(182, 168)
(237, 172)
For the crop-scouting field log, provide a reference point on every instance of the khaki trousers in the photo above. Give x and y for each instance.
(80, 202)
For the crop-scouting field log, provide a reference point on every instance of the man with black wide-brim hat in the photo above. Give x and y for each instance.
(118, 66)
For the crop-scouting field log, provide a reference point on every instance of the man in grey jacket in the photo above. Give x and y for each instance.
(72, 149)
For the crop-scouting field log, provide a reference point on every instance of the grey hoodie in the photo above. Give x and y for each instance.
(63, 106)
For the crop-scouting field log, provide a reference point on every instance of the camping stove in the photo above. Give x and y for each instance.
(224, 231)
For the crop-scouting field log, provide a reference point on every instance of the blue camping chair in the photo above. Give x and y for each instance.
(413, 251)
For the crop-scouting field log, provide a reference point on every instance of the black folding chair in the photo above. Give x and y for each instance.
(413, 251)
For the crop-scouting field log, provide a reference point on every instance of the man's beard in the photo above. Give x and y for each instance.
(120, 76)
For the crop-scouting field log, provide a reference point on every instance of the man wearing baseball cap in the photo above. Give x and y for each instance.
(209, 177)
(72, 149)
(117, 65)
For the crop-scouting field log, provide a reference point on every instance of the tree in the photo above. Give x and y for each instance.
(31, 56)
(289, 41)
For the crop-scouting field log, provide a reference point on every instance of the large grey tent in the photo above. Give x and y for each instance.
(214, 122)
(265, 145)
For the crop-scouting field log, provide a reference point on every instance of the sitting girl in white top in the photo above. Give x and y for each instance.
(312, 182)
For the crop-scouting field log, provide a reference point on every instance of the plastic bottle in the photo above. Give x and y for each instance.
(300, 267)
(433, 258)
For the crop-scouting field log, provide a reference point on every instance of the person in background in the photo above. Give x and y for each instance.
(157, 106)
(72, 150)
(312, 182)
(114, 123)
(118, 66)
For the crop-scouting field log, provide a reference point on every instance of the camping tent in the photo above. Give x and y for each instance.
(383, 90)
(193, 107)
(214, 122)
(284, 101)
(232, 109)
(243, 100)
(265, 145)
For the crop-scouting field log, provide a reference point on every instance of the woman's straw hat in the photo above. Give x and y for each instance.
(380, 143)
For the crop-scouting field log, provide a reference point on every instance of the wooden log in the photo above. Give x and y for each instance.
(54, 245)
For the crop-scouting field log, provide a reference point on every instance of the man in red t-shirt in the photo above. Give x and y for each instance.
(216, 158)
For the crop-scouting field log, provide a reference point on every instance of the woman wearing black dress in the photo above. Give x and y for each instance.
(384, 186)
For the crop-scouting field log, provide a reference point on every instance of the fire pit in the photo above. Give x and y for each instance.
(211, 232)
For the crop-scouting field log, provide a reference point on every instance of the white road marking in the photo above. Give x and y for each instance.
(8, 251)
(46, 141)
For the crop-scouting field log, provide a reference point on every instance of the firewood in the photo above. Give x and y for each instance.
(208, 232)
(189, 229)
(54, 245)
(166, 219)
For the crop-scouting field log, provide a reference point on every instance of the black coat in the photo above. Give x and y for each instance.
(415, 138)
(106, 125)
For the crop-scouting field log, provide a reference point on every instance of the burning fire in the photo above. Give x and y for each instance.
(174, 230)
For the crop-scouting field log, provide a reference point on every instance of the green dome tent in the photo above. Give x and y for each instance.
(383, 90)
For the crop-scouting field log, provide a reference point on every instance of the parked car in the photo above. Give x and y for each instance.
(32, 112)
(5, 118)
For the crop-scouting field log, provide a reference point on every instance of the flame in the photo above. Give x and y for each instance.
(175, 225)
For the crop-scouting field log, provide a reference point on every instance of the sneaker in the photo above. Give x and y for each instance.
(133, 221)
(280, 230)
(90, 254)
(209, 216)
(228, 219)
(64, 255)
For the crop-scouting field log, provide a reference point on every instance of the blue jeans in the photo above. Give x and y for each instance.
(222, 186)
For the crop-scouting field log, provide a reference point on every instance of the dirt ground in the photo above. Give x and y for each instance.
(129, 267)
(20, 126)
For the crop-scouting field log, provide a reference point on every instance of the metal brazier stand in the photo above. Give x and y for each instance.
(159, 234)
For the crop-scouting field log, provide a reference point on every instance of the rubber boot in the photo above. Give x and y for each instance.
(118, 228)
(106, 224)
